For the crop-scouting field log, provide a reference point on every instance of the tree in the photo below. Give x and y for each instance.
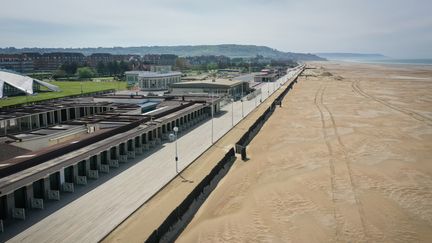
(181, 63)
(59, 73)
(113, 68)
(212, 66)
(69, 68)
(101, 68)
(85, 72)
(123, 67)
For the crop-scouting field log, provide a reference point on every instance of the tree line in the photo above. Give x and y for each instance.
(84, 71)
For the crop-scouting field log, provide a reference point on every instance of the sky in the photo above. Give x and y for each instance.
(395, 28)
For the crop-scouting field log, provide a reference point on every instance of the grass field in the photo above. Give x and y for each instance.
(67, 88)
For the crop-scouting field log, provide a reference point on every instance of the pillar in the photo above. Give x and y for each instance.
(87, 166)
(98, 161)
(38, 124)
(132, 141)
(123, 156)
(75, 172)
(145, 142)
(62, 176)
(117, 152)
(29, 195)
(19, 124)
(158, 135)
(138, 145)
(45, 119)
(30, 123)
(108, 156)
(103, 161)
(59, 120)
(10, 204)
(67, 114)
(46, 186)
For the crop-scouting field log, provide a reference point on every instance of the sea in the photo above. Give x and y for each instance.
(427, 61)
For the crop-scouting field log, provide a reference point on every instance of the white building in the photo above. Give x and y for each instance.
(12, 84)
(152, 80)
(232, 88)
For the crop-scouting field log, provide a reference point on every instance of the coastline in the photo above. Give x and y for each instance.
(413, 62)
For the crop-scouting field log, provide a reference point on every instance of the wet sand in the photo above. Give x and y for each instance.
(348, 158)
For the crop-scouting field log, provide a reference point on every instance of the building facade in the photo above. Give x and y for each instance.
(52, 61)
(152, 80)
(16, 62)
(160, 59)
(37, 62)
(220, 87)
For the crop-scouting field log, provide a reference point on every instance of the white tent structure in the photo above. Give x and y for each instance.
(22, 83)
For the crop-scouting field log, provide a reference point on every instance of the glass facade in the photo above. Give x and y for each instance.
(131, 79)
(158, 83)
(9, 90)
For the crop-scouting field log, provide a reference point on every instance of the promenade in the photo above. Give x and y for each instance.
(90, 217)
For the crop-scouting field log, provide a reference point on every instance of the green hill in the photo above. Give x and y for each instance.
(229, 50)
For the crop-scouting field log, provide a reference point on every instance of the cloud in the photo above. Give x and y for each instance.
(289, 25)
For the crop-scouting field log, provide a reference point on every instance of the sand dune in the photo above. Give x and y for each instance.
(348, 158)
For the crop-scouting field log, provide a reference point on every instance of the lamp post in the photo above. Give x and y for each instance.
(268, 88)
(212, 118)
(261, 95)
(174, 137)
(232, 112)
(242, 100)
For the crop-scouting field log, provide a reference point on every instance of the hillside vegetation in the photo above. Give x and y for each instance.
(229, 50)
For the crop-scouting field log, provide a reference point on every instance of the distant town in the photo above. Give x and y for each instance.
(53, 70)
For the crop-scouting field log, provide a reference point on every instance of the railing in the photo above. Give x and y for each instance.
(178, 219)
(240, 146)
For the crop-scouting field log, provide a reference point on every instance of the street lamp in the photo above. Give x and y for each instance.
(261, 95)
(242, 107)
(242, 100)
(232, 112)
(268, 88)
(174, 137)
(212, 118)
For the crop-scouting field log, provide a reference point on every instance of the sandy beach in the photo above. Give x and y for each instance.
(347, 158)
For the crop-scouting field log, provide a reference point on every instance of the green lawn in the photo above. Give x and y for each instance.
(67, 88)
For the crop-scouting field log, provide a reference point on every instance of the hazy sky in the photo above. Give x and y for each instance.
(392, 27)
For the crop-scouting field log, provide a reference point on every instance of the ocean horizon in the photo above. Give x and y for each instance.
(423, 61)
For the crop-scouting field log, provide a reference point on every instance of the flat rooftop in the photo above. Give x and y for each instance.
(49, 106)
(148, 74)
(222, 83)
